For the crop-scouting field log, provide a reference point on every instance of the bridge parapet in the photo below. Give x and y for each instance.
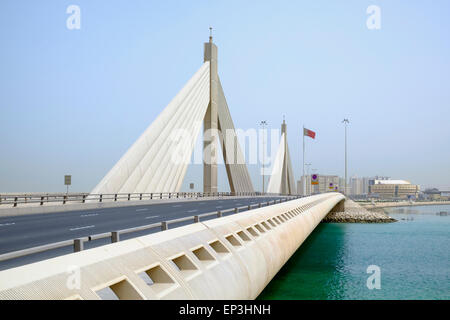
(232, 257)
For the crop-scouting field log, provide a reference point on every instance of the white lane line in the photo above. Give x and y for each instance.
(89, 215)
(178, 205)
(151, 217)
(7, 224)
(192, 210)
(144, 209)
(81, 228)
(218, 207)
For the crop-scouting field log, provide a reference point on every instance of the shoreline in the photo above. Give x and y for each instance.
(371, 206)
(354, 213)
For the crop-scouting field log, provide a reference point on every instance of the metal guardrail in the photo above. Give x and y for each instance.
(16, 200)
(78, 244)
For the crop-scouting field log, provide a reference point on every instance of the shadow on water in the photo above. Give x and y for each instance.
(313, 271)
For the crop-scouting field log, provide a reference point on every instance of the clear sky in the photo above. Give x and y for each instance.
(73, 101)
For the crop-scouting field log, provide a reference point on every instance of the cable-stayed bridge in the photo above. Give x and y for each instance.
(149, 166)
(140, 197)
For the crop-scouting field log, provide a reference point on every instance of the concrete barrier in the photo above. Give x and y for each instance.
(232, 257)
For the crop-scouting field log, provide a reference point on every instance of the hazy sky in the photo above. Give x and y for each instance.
(73, 101)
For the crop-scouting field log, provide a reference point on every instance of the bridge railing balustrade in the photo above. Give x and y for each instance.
(83, 198)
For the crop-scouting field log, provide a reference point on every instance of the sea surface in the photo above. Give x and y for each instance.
(412, 256)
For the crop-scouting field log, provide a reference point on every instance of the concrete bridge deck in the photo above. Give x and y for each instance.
(233, 257)
(26, 231)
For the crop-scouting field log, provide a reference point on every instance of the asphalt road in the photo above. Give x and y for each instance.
(21, 232)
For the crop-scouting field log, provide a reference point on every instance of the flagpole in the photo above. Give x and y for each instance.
(304, 177)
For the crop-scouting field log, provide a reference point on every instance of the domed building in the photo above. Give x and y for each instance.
(391, 189)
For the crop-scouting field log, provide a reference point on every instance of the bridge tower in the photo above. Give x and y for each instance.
(158, 160)
(282, 177)
(210, 122)
(285, 176)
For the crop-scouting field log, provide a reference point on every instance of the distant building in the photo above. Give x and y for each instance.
(302, 187)
(435, 194)
(359, 186)
(341, 185)
(322, 187)
(365, 185)
(391, 189)
(324, 184)
(372, 180)
(381, 178)
(356, 186)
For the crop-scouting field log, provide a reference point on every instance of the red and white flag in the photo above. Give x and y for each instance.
(309, 133)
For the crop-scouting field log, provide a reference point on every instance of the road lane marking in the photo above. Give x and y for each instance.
(89, 215)
(81, 228)
(178, 205)
(7, 224)
(218, 207)
(238, 204)
(145, 209)
(151, 217)
(192, 210)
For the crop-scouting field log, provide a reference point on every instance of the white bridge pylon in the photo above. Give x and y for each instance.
(282, 178)
(149, 167)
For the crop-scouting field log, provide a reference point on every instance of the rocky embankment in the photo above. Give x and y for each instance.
(354, 213)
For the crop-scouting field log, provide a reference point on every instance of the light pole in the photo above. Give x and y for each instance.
(263, 125)
(346, 122)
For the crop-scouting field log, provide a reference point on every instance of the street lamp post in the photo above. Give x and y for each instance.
(346, 122)
(263, 124)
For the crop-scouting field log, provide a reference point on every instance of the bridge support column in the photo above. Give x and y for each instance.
(339, 207)
(210, 122)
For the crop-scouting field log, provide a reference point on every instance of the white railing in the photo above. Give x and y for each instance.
(41, 199)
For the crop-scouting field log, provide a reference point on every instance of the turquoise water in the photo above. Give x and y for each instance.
(413, 255)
